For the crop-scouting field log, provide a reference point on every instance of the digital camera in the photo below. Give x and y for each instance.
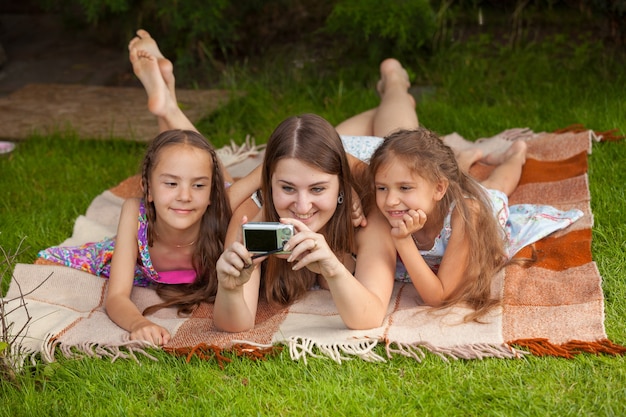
(266, 237)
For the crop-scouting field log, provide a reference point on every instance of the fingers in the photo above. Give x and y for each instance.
(411, 222)
(302, 233)
(234, 267)
(313, 248)
(414, 220)
(358, 218)
(300, 227)
(166, 337)
(152, 333)
(233, 260)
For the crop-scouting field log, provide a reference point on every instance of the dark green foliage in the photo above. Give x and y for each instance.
(204, 37)
(380, 29)
(614, 11)
(197, 34)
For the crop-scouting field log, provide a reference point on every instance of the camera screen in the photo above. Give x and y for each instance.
(261, 240)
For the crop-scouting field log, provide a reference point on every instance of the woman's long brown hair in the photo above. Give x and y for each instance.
(214, 222)
(314, 141)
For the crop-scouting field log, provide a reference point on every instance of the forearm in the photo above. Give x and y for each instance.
(358, 307)
(242, 189)
(425, 281)
(123, 312)
(231, 312)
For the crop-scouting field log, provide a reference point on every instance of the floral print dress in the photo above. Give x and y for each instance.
(95, 258)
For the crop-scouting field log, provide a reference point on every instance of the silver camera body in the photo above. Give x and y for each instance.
(264, 237)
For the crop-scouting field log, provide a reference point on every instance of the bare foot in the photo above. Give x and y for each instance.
(517, 150)
(393, 75)
(391, 71)
(143, 41)
(146, 68)
(468, 157)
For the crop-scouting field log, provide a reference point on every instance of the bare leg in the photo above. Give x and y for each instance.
(505, 177)
(495, 158)
(360, 125)
(468, 157)
(144, 41)
(160, 101)
(395, 111)
(397, 107)
(161, 96)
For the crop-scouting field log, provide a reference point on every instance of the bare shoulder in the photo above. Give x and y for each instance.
(473, 209)
(131, 204)
(376, 223)
(128, 215)
(376, 234)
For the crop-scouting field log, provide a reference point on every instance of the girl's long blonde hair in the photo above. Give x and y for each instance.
(214, 222)
(314, 141)
(425, 154)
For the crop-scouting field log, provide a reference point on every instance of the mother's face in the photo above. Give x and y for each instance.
(305, 193)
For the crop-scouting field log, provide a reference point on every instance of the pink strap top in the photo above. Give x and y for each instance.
(184, 276)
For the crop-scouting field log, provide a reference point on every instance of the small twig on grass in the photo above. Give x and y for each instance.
(10, 339)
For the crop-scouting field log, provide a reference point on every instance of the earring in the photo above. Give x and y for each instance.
(340, 198)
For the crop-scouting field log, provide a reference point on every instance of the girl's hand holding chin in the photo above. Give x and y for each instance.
(411, 222)
(234, 266)
(310, 250)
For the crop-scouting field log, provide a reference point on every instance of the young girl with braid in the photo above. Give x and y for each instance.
(169, 239)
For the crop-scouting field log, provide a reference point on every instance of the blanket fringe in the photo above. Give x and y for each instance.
(127, 350)
(543, 347)
(606, 136)
(208, 352)
(233, 154)
(301, 348)
(418, 351)
(201, 351)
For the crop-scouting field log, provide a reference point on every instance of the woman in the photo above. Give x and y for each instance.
(306, 182)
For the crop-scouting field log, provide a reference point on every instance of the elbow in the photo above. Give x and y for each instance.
(365, 322)
(434, 301)
(108, 304)
(232, 327)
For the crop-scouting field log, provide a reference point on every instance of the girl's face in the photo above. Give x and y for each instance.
(303, 192)
(180, 185)
(399, 190)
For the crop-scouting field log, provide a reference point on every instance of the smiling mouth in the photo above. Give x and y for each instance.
(302, 216)
(396, 213)
(181, 211)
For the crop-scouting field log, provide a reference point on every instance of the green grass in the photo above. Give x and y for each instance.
(480, 90)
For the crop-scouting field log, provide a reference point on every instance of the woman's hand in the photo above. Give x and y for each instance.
(150, 332)
(411, 222)
(310, 250)
(235, 266)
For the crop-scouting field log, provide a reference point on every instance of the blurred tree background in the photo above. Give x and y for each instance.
(200, 33)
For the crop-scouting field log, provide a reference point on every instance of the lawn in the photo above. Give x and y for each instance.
(473, 88)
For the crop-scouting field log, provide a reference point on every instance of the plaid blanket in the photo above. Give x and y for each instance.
(555, 306)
